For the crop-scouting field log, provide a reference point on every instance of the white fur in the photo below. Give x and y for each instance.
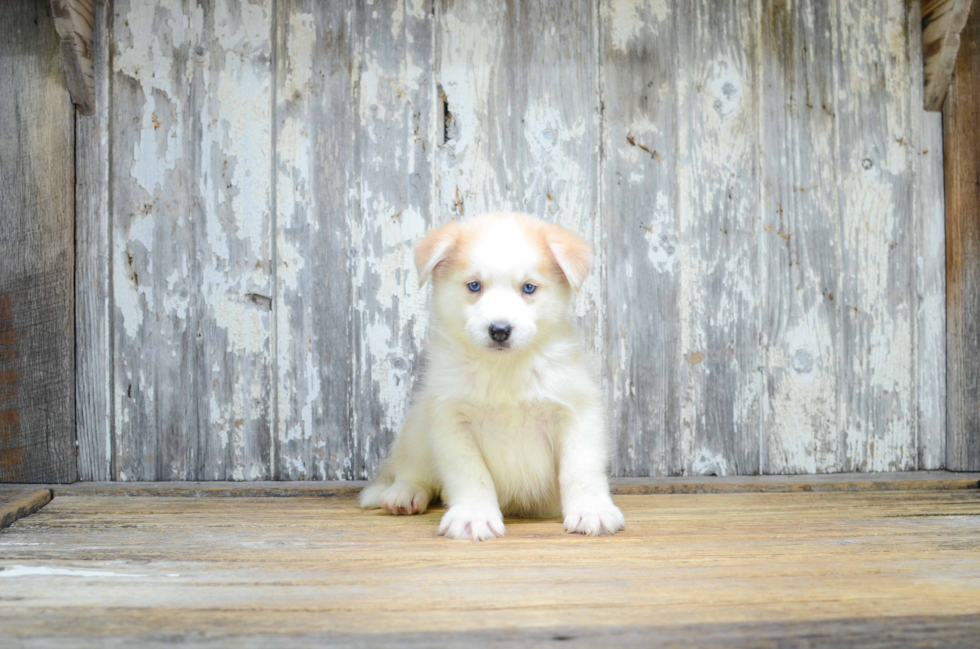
(517, 430)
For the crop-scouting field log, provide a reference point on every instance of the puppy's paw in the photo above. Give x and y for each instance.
(477, 521)
(404, 498)
(370, 495)
(593, 517)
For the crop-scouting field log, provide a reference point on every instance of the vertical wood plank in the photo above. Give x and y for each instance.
(37, 436)
(719, 250)
(155, 353)
(93, 352)
(191, 173)
(315, 173)
(961, 126)
(393, 152)
(928, 215)
(638, 182)
(800, 238)
(472, 177)
(877, 293)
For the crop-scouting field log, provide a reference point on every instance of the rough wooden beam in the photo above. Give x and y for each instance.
(961, 141)
(942, 22)
(19, 504)
(75, 22)
(37, 334)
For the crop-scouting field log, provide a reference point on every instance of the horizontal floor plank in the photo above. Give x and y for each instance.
(863, 633)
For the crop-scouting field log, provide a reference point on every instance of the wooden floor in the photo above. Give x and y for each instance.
(801, 568)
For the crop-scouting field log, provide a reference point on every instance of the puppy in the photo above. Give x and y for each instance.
(508, 418)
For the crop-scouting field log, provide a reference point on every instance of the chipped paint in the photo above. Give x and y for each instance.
(626, 18)
(191, 237)
(877, 272)
(395, 105)
(707, 463)
(803, 405)
(298, 391)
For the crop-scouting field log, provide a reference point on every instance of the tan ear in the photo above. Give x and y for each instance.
(433, 248)
(571, 252)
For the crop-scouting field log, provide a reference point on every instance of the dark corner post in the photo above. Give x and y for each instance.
(961, 142)
(37, 335)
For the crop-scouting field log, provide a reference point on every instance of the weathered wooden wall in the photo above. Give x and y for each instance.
(37, 433)
(760, 183)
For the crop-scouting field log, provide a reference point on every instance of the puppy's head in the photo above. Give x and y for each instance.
(501, 281)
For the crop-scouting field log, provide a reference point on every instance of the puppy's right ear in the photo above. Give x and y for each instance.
(434, 248)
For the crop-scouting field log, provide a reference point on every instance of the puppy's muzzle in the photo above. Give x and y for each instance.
(500, 331)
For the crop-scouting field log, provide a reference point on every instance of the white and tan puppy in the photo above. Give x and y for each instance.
(508, 419)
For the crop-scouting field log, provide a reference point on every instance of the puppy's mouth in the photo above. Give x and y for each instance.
(499, 347)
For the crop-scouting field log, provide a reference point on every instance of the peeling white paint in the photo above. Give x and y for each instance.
(627, 18)
(707, 463)
(393, 281)
(804, 406)
(157, 151)
(147, 59)
(131, 299)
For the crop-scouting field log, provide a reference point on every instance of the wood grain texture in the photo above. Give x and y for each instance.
(18, 504)
(392, 207)
(37, 436)
(93, 319)
(961, 125)
(192, 224)
(719, 382)
(941, 21)
(916, 632)
(800, 229)
(876, 199)
(315, 123)
(929, 223)
(638, 184)
(75, 22)
(231, 569)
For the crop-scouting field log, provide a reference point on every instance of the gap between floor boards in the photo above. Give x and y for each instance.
(910, 481)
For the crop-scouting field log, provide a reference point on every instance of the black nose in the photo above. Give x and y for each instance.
(500, 331)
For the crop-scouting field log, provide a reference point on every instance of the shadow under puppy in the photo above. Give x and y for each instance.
(508, 419)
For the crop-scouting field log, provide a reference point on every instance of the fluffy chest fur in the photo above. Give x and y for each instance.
(520, 445)
(518, 409)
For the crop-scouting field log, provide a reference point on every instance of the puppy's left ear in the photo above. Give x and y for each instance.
(571, 252)
(433, 249)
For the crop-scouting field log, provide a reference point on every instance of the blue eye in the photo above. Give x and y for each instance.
(529, 288)
(474, 286)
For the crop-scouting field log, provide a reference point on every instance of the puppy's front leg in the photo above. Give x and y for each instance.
(467, 486)
(585, 501)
